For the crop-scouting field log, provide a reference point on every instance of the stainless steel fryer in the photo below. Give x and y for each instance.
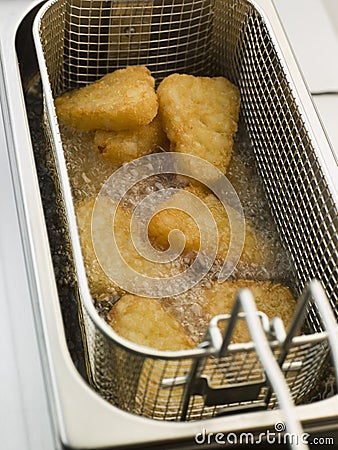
(82, 420)
(79, 42)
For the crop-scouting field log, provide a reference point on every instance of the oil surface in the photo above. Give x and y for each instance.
(88, 172)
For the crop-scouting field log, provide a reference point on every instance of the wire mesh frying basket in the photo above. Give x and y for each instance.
(79, 41)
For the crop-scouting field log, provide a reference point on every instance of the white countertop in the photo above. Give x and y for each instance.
(312, 29)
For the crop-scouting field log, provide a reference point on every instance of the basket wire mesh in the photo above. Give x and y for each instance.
(78, 41)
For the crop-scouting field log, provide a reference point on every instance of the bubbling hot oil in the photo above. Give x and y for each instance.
(88, 172)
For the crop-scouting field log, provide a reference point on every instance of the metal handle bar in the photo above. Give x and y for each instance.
(258, 326)
(315, 292)
(272, 370)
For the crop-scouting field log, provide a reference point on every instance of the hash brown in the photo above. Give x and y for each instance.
(172, 218)
(121, 100)
(200, 116)
(144, 321)
(119, 147)
(99, 282)
(273, 299)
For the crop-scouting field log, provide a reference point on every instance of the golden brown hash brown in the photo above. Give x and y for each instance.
(121, 100)
(99, 282)
(144, 321)
(273, 299)
(119, 147)
(200, 116)
(171, 218)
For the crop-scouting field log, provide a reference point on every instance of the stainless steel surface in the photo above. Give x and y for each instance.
(82, 419)
(23, 401)
(25, 417)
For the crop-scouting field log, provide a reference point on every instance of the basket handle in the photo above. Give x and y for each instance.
(258, 326)
(245, 301)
